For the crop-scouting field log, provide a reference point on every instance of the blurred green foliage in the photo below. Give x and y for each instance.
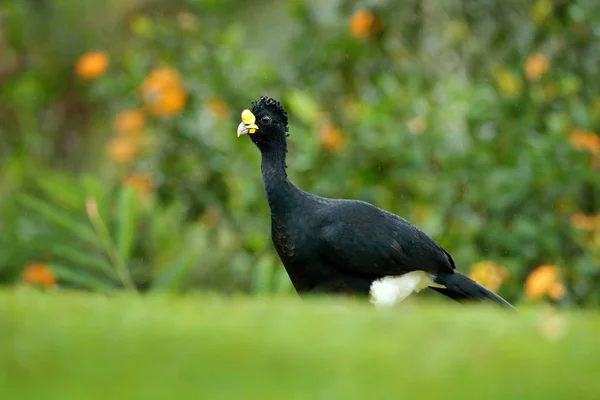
(474, 120)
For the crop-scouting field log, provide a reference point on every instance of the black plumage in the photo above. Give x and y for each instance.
(343, 246)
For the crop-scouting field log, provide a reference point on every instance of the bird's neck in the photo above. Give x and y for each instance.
(279, 189)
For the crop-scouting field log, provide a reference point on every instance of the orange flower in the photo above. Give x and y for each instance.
(541, 281)
(92, 64)
(331, 137)
(219, 108)
(585, 222)
(163, 92)
(489, 274)
(585, 140)
(557, 291)
(536, 66)
(161, 79)
(129, 122)
(363, 23)
(39, 274)
(142, 184)
(122, 149)
(169, 103)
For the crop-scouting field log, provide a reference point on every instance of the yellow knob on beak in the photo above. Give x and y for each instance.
(248, 125)
(248, 117)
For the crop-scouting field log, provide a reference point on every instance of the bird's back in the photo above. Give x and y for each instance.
(365, 227)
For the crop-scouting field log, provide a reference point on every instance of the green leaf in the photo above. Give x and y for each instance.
(173, 276)
(282, 281)
(62, 190)
(81, 258)
(94, 189)
(60, 219)
(262, 276)
(303, 106)
(106, 240)
(75, 276)
(127, 223)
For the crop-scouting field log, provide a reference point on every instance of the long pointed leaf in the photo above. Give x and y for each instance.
(173, 276)
(62, 190)
(94, 189)
(60, 218)
(78, 257)
(82, 278)
(127, 223)
(262, 276)
(104, 235)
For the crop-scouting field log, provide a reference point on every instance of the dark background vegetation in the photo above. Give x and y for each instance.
(475, 120)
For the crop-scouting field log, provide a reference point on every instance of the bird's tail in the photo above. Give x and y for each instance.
(461, 288)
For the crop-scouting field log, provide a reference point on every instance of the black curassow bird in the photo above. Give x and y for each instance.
(346, 246)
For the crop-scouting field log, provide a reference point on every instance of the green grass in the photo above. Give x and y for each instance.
(78, 346)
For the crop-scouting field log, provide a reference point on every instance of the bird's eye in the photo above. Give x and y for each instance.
(266, 120)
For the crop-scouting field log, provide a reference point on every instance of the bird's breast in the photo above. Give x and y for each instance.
(284, 238)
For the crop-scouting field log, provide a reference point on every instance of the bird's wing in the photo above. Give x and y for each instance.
(367, 240)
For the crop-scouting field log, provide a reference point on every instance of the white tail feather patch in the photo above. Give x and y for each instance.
(391, 290)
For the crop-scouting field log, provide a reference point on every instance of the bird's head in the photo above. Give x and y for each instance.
(266, 122)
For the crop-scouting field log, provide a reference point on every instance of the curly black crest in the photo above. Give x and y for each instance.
(266, 101)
